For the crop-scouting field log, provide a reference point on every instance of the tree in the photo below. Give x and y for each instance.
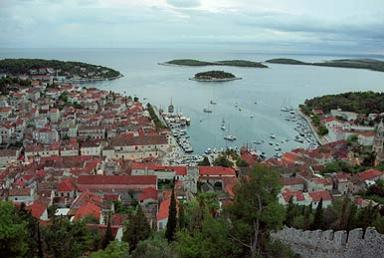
(318, 217)
(290, 214)
(172, 218)
(108, 237)
(13, 232)
(223, 161)
(137, 228)
(154, 247)
(32, 226)
(64, 239)
(115, 249)
(255, 210)
(204, 162)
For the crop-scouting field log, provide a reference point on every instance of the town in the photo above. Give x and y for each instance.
(88, 155)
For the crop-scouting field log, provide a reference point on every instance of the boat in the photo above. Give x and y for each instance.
(213, 102)
(222, 125)
(251, 116)
(273, 136)
(207, 110)
(230, 137)
(257, 142)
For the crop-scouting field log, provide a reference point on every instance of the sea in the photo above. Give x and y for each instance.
(250, 108)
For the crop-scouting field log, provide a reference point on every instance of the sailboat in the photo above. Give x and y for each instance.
(222, 125)
(229, 137)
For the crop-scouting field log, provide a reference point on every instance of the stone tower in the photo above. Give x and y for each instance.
(378, 143)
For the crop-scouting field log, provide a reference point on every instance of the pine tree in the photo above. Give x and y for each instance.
(137, 229)
(108, 237)
(172, 220)
(318, 218)
(290, 215)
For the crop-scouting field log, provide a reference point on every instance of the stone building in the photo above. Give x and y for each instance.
(378, 143)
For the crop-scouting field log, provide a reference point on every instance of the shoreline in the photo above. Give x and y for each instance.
(93, 80)
(319, 140)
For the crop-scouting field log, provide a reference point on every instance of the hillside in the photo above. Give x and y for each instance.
(369, 64)
(236, 63)
(68, 69)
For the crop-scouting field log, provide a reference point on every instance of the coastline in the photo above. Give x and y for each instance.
(215, 80)
(93, 80)
(319, 140)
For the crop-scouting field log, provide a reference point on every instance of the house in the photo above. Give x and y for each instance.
(54, 115)
(320, 195)
(7, 131)
(162, 172)
(91, 132)
(70, 148)
(91, 148)
(319, 183)
(162, 214)
(38, 210)
(148, 195)
(45, 135)
(136, 147)
(297, 197)
(7, 156)
(342, 182)
(67, 189)
(5, 112)
(293, 183)
(364, 179)
(19, 195)
(100, 183)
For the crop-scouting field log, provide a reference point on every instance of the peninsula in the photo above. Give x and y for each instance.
(214, 76)
(236, 63)
(63, 71)
(369, 64)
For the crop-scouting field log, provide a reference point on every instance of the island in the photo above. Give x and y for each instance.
(62, 71)
(236, 63)
(369, 64)
(214, 76)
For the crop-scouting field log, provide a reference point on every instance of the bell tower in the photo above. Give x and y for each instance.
(378, 143)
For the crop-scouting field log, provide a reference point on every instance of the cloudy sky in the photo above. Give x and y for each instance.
(347, 26)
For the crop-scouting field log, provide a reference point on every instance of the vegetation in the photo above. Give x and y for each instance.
(359, 102)
(285, 61)
(23, 66)
(343, 214)
(214, 75)
(159, 125)
(136, 229)
(172, 217)
(115, 249)
(369, 64)
(238, 63)
(7, 84)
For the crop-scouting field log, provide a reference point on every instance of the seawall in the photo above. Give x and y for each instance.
(333, 244)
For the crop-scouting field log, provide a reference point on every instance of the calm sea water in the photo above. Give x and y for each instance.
(270, 88)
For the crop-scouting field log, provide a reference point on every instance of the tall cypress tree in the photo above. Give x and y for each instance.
(318, 218)
(172, 220)
(290, 213)
(108, 237)
(137, 229)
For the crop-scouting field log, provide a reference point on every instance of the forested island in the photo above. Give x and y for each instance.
(369, 64)
(359, 102)
(214, 76)
(55, 69)
(237, 63)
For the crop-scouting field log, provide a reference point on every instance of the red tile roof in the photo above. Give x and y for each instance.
(296, 194)
(322, 181)
(163, 210)
(117, 180)
(216, 171)
(292, 181)
(88, 209)
(179, 170)
(369, 174)
(318, 195)
(66, 185)
(148, 193)
(37, 209)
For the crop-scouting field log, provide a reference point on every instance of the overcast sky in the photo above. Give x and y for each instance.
(346, 26)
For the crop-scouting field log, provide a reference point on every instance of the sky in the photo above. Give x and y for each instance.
(328, 26)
